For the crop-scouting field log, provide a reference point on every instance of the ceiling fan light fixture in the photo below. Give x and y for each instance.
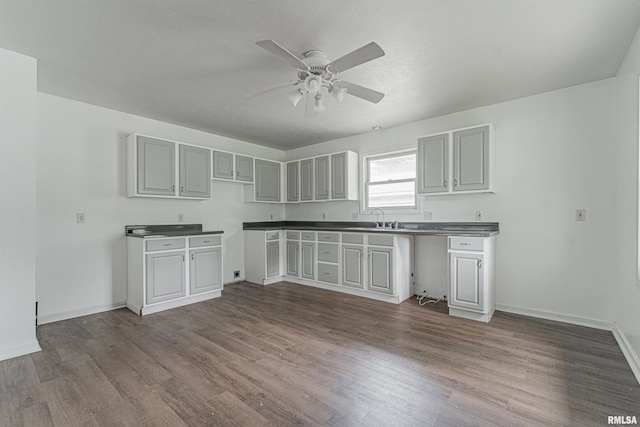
(338, 92)
(313, 83)
(295, 96)
(319, 106)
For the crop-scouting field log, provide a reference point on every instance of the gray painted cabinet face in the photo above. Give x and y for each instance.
(195, 168)
(273, 259)
(380, 270)
(339, 176)
(308, 260)
(293, 193)
(205, 270)
(165, 276)
(293, 251)
(467, 281)
(471, 159)
(244, 168)
(433, 164)
(352, 266)
(267, 181)
(322, 178)
(306, 180)
(222, 165)
(156, 167)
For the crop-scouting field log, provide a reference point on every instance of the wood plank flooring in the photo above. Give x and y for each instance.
(287, 354)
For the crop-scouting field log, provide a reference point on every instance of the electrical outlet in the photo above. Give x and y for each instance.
(428, 215)
(478, 215)
(236, 273)
(581, 214)
(80, 217)
(355, 216)
(180, 217)
(324, 215)
(271, 216)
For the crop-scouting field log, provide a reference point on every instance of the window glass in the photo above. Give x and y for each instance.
(390, 181)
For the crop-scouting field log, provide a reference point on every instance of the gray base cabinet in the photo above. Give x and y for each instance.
(352, 266)
(380, 270)
(159, 269)
(308, 260)
(293, 258)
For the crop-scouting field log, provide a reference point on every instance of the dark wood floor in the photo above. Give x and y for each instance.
(288, 354)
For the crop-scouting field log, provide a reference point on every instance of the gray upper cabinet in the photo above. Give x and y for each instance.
(339, 176)
(222, 165)
(322, 175)
(352, 266)
(155, 167)
(195, 168)
(293, 187)
(205, 271)
(471, 159)
(433, 164)
(306, 180)
(244, 168)
(267, 181)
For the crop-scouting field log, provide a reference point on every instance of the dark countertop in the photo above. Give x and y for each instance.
(167, 230)
(465, 229)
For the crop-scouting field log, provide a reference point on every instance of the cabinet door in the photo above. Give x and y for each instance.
(306, 180)
(205, 270)
(322, 178)
(467, 280)
(222, 165)
(293, 193)
(165, 276)
(293, 252)
(267, 181)
(308, 260)
(339, 176)
(195, 170)
(471, 159)
(433, 164)
(156, 167)
(381, 270)
(273, 259)
(244, 168)
(352, 266)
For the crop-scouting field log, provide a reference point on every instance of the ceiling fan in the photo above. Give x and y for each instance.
(317, 72)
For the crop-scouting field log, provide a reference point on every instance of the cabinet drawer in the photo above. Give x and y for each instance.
(308, 235)
(293, 235)
(165, 244)
(329, 237)
(356, 238)
(380, 240)
(328, 252)
(196, 242)
(328, 273)
(466, 243)
(272, 235)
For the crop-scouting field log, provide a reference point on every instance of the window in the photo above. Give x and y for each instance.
(390, 181)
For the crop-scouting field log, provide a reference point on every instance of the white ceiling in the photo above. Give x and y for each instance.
(190, 62)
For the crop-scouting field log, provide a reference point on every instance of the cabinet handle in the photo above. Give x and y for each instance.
(479, 263)
(455, 182)
(238, 174)
(182, 257)
(465, 243)
(167, 244)
(192, 257)
(173, 188)
(206, 241)
(445, 183)
(326, 252)
(182, 188)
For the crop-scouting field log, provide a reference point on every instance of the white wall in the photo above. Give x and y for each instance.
(81, 167)
(627, 313)
(18, 212)
(554, 152)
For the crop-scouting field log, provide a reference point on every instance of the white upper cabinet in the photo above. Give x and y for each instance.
(293, 181)
(267, 181)
(307, 187)
(455, 162)
(222, 165)
(232, 167)
(244, 169)
(322, 178)
(155, 165)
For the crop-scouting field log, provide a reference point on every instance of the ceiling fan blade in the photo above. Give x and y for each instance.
(309, 111)
(361, 91)
(282, 53)
(290, 83)
(359, 56)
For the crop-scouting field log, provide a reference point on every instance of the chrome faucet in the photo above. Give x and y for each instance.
(382, 212)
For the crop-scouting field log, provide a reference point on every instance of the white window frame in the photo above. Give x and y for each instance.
(364, 180)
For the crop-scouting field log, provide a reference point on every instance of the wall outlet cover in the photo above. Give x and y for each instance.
(428, 215)
(478, 215)
(355, 216)
(581, 214)
(236, 273)
(80, 217)
(180, 217)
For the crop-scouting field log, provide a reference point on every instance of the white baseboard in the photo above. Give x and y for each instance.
(21, 350)
(549, 315)
(629, 353)
(64, 315)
